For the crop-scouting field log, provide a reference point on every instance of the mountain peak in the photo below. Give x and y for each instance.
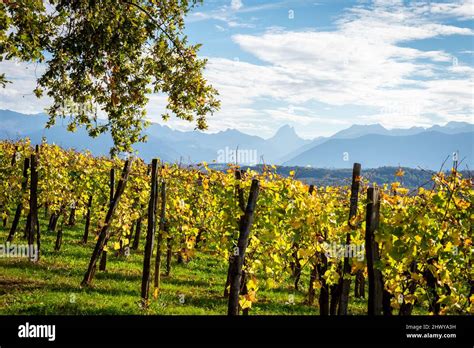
(358, 130)
(285, 140)
(368, 126)
(457, 124)
(285, 131)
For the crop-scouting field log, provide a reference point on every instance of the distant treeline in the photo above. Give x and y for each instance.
(412, 178)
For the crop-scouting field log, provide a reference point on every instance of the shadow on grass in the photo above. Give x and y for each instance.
(264, 305)
(72, 272)
(186, 282)
(8, 286)
(67, 308)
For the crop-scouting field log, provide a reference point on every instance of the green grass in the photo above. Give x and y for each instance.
(52, 285)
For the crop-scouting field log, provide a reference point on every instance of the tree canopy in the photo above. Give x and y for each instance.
(109, 54)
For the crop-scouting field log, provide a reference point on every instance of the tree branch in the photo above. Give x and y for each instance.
(160, 26)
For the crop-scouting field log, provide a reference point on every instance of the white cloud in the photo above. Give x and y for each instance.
(363, 63)
(236, 4)
(220, 28)
(289, 114)
(463, 10)
(229, 14)
(391, 22)
(18, 95)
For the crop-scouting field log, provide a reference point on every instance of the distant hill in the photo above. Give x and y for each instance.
(16, 125)
(413, 178)
(372, 145)
(356, 130)
(163, 142)
(427, 150)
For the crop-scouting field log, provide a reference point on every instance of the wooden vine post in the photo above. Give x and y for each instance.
(12, 163)
(72, 215)
(33, 226)
(241, 201)
(375, 302)
(322, 266)
(406, 308)
(138, 230)
(59, 240)
(359, 286)
(345, 281)
(103, 260)
(169, 251)
(54, 218)
(238, 260)
(159, 239)
(150, 235)
(19, 208)
(104, 234)
(314, 269)
(88, 221)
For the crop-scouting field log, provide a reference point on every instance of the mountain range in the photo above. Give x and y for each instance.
(371, 145)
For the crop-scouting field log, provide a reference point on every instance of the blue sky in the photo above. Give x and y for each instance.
(323, 65)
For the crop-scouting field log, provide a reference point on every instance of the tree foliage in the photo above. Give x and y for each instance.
(108, 55)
